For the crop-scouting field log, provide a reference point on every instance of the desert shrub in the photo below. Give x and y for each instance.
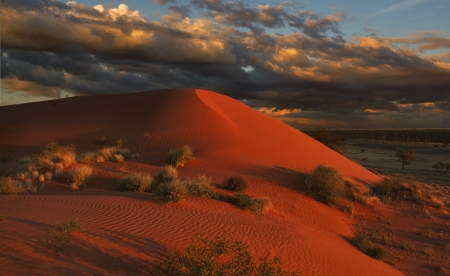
(361, 241)
(200, 187)
(243, 201)
(10, 186)
(26, 166)
(172, 191)
(376, 252)
(236, 183)
(387, 186)
(261, 205)
(69, 225)
(325, 184)
(218, 256)
(126, 153)
(41, 178)
(53, 154)
(136, 182)
(107, 153)
(79, 176)
(360, 193)
(119, 143)
(179, 157)
(6, 158)
(101, 140)
(87, 157)
(117, 158)
(48, 175)
(166, 174)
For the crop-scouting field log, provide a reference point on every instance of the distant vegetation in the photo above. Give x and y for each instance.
(401, 135)
(219, 256)
(441, 166)
(328, 139)
(405, 156)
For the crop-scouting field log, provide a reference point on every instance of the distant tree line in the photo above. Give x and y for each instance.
(402, 135)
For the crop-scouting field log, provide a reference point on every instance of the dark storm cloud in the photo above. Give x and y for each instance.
(84, 50)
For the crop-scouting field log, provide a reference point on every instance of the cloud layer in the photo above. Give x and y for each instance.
(240, 50)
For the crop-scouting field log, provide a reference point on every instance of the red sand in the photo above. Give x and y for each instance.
(127, 233)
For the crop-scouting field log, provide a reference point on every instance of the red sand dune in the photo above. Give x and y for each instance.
(126, 233)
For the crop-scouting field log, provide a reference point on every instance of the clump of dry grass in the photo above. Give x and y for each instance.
(167, 173)
(79, 176)
(172, 191)
(179, 157)
(200, 186)
(10, 186)
(136, 182)
(360, 193)
(261, 205)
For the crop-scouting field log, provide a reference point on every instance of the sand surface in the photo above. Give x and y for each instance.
(127, 233)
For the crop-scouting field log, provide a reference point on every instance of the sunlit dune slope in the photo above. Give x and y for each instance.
(222, 131)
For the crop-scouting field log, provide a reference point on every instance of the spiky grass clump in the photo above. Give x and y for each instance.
(136, 182)
(362, 241)
(387, 186)
(70, 225)
(179, 157)
(200, 187)
(243, 201)
(360, 193)
(10, 186)
(166, 174)
(172, 191)
(326, 184)
(54, 154)
(79, 176)
(87, 157)
(101, 140)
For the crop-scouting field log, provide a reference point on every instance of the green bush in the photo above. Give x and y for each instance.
(200, 187)
(179, 157)
(79, 176)
(236, 183)
(167, 173)
(172, 191)
(10, 186)
(326, 184)
(136, 182)
(218, 256)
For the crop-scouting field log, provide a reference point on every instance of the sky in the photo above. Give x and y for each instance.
(318, 64)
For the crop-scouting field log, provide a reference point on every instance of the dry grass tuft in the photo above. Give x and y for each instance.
(136, 182)
(79, 176)
(200, 186)
(167, 173)
(261, 205)
(179, 157)
(10, 186)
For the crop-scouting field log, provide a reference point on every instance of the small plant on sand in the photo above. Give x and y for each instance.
(59, 235)
(325, 184)
(10, 186)
(166, 174)
(79, 176)
(218, 256)
(362, 241)
(101, 140)
(119, 143)
(179, 157)
(172, 191)
(243, 201)
(261, 205)
(5, 158)
(136, 182)
(200, 187)
(236, 183)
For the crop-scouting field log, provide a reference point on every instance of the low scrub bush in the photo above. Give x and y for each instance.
(79, 176)
(5, 158)
(54, 154)
(172, 191)
(387, 186)
(10, 186)
(136, 182)
(326, 184)
(120, 143)
(218, 256)
(60, 235)
(87, 157)
(200, 187)
(179, 157)
(243, 201)
(236, 183)
(70, 225)
(261, 205)
(101, 140)
(360, 193)
(166, 174)
(362, 241)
